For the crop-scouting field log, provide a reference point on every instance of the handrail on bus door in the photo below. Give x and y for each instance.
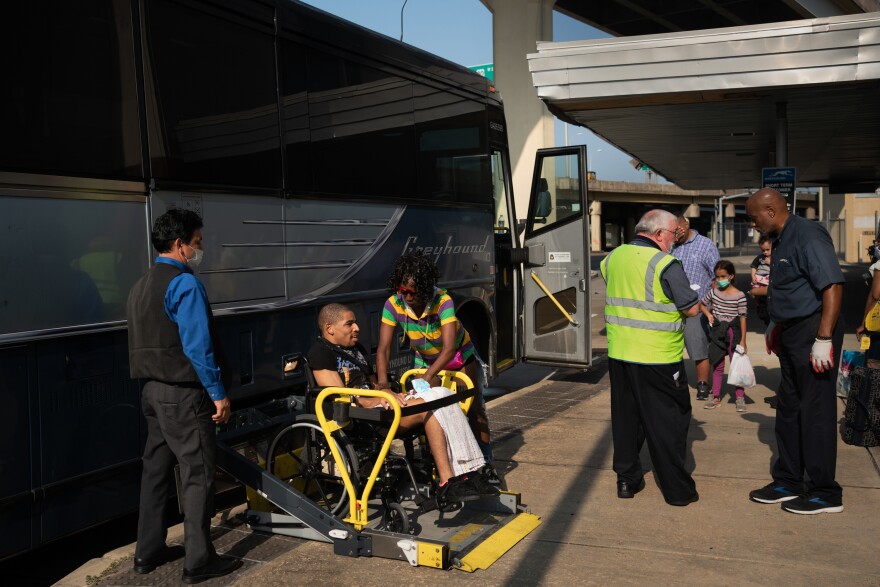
(572, 320)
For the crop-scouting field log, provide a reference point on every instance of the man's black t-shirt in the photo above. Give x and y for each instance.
(351, 363)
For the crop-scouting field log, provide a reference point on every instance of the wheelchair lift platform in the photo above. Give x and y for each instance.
(301, 483)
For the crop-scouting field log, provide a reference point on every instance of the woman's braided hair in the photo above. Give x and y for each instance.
(418, 267)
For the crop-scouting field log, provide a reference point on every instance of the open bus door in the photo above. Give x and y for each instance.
(556, 271)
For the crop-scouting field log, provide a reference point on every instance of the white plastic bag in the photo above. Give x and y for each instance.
(741, 373)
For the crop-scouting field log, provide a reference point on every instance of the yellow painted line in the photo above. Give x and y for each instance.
(500, 542)
(503, 364)
(480, 523)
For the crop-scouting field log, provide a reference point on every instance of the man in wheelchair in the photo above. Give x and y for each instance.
(338, 360)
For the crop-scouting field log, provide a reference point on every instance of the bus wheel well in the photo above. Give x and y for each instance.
(475, 320)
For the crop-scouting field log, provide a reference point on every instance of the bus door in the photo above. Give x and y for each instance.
(507, 273)
(556, 268)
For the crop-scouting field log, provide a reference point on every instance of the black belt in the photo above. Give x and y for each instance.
(798, 320)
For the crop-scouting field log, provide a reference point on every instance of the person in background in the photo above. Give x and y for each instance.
(806, 289)
(698, 256)
(761, 279)
(173, 346)
(439, 340)
(725, 308)
(872, 356)
(647, 295)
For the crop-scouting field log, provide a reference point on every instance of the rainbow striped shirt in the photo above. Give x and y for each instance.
(423, 331)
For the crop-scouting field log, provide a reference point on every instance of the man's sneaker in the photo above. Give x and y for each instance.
(773, 493)
(702, 391)
(482, 485)
(740, 404)
(811, 505)
(457, 490)
(714, 403)
(490, 475)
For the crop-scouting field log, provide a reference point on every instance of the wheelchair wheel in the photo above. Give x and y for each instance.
(300, 455)
(396, 519)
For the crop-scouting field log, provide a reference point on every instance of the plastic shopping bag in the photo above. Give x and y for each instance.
(741, 373)
(849, 360)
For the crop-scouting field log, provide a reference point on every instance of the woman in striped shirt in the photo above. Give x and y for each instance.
(426, 314)
(725, 307)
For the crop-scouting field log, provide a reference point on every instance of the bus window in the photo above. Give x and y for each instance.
(295, 116)
(451, 132)
(69, 104)
(361, 125)
(212, 98)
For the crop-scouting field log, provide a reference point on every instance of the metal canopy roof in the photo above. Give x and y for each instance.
(700, 107)
(645, 17)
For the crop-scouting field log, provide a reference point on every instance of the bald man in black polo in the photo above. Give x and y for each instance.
(804, 297)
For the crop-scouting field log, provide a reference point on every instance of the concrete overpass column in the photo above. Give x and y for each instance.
(597, 233)
(517, 26)
(629, 230)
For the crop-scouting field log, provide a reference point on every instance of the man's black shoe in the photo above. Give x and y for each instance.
(695, 497)
(626, 490)
(703, 390)
(220, 566)
(457, 490)
(143, 566)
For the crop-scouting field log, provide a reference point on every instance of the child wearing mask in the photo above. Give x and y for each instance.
(725, 308)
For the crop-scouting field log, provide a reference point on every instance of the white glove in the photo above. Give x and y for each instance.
(822, 356)
(771, 338)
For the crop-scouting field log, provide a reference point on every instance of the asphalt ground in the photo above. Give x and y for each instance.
(552, 442)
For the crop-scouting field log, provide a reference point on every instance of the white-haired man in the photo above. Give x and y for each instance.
(647, 296)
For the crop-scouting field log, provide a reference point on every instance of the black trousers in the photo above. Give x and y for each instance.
(806, 414)
(179, 430)
(651, 402)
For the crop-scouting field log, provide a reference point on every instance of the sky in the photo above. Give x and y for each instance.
(461, 31)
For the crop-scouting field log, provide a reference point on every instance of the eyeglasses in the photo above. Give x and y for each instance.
(667, 230)
(406, 291)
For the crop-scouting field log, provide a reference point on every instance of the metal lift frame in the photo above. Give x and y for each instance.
(352, 536)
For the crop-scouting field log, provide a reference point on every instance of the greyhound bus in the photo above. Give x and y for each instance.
(316, 152)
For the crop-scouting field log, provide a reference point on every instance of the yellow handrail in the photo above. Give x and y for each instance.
(553, 299)
(358, 514)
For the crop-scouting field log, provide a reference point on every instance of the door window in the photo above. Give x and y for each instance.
(557, 193)
(499, 194)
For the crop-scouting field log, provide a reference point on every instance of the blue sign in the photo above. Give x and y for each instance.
(783, 180)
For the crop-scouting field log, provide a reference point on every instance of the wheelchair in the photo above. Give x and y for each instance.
(350, 460)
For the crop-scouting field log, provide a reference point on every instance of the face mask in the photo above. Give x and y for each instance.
(723, 283)
(196, 260)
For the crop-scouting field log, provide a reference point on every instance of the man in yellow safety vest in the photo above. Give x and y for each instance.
(647, 297)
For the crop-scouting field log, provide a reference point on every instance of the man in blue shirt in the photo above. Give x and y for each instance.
(172, 345)
(804, 297)
(698, 256)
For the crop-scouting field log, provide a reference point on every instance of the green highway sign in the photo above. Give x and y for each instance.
(486, 70)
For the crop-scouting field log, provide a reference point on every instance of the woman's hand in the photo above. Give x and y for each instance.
(744, 346)
(860, 331)
(380, 402)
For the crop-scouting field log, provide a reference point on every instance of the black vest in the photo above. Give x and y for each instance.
(155, 350)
